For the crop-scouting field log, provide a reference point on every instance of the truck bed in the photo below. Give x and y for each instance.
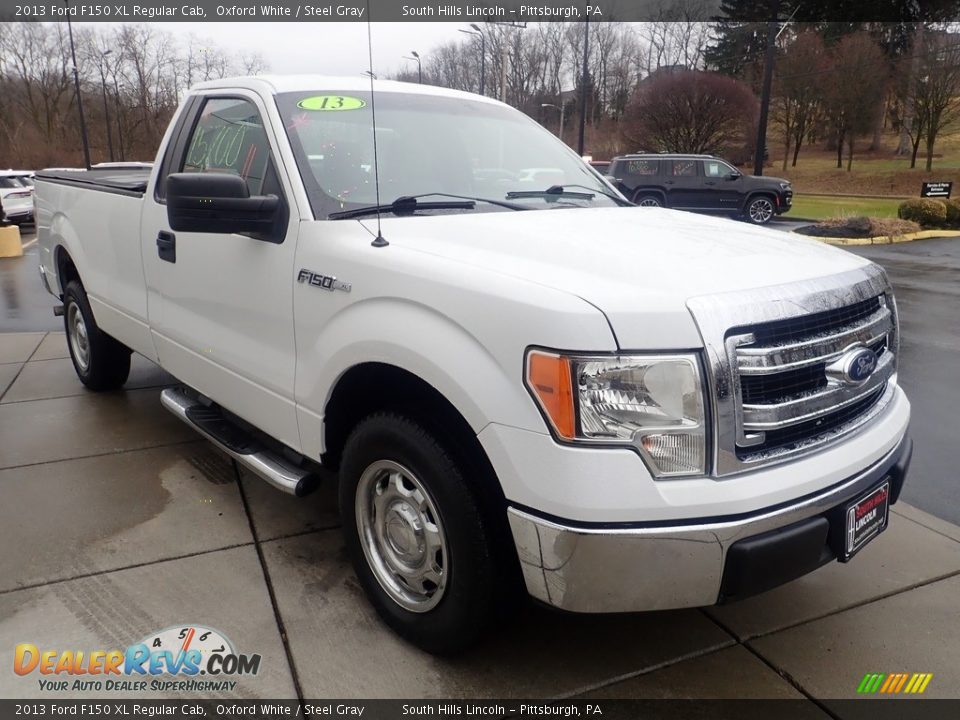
(130, 180)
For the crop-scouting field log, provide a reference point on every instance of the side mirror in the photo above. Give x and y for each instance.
(734, 176)
(611, 179)
(219, 203)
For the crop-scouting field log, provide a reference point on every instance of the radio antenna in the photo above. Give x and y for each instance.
(379, 240)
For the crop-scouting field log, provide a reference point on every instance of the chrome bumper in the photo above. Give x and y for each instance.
(659, 567)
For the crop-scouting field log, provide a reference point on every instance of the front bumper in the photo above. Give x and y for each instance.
(784, 202)
(658, 566)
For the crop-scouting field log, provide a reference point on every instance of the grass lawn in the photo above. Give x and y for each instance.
(820, 207)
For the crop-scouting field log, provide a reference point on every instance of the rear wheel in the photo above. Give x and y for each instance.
(101, 362)
(760, 210)
(419, 542)
(648, 200)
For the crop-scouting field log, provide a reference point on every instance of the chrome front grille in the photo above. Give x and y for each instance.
(797, 399)
(773, 363)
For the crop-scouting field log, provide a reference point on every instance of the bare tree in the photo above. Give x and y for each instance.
(854, 89)
(139, 81)
(690, 111)
(798, 91)
(936, 95)
(676, 34)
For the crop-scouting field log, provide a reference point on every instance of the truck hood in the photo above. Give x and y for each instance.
(639, 266)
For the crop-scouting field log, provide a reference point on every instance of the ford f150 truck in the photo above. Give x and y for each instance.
(520, 379)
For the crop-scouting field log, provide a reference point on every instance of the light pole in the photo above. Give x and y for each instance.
(106, 110)
(560, 108)
(416, 56)
(583, 84)
(76, 82)
(765, 98)
(483, 54)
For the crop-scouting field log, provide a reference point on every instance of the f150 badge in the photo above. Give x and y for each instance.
(326, 282)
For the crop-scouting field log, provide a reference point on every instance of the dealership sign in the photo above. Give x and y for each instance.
(936, 189)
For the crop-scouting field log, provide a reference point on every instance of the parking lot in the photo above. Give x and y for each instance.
(117, 521)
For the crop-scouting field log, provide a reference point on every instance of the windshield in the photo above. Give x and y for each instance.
(428, 144)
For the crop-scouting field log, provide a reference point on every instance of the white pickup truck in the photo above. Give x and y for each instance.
(521, 379)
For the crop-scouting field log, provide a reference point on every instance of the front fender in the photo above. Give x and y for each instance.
(422, 341)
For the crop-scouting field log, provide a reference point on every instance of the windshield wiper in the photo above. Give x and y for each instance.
(552, 192)
(560, 191)
(498, 203)
(406, 205)
(409, 204)
(618, 200)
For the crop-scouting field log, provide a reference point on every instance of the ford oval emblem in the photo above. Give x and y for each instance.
(855, 366)
(861, 365)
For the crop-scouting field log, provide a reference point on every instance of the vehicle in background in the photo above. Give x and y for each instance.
(25, 177)
(701, 183)
(521, 380)
(16, 196)
(601, 166)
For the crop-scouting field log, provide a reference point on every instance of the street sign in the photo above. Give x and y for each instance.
(936, 189)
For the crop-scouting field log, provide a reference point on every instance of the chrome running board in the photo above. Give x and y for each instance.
(238, 444)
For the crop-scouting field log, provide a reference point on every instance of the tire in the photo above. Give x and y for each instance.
(648, 200)
(760, 210)
(101, 362)
(427, 522)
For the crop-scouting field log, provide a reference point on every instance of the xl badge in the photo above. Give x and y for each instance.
(855, 366)
(326, 282)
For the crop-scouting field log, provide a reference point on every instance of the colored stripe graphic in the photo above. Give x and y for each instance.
(894, 683)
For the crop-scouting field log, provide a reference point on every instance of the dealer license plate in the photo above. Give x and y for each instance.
(866, 518)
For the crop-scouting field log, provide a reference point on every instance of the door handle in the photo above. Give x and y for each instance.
(668, 182)
(167, 246)
(710, 183)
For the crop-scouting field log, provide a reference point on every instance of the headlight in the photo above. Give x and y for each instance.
(652, 402)
(784, 186)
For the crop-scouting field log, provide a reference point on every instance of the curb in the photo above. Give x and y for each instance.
(884, 239)
(847, 195)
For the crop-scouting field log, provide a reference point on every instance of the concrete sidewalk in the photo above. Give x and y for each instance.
(116, 522)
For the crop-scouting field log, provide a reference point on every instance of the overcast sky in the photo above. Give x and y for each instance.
(335, 48)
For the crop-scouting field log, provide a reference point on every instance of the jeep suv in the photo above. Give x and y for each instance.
(703, 183)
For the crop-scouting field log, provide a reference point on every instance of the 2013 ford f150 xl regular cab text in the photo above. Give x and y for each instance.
(520, 379)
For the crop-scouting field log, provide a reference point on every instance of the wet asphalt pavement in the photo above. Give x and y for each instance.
(926, 278)
(24, 305)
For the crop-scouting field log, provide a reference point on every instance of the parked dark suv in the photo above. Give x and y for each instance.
(700, 182)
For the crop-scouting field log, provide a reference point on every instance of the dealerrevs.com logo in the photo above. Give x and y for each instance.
(894, 683)
(180, 658)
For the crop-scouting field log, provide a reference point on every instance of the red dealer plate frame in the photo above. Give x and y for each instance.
(865, 518)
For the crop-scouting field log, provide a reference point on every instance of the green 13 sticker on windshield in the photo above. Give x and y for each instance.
(331, 103)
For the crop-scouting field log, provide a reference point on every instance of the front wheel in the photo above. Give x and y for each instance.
(419, 542)
(760, 211)
(647, 200)
(101, 362)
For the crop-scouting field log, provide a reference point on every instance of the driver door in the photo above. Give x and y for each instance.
(724, 191)
(221, 305)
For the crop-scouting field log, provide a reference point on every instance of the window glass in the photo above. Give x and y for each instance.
(716, 168)
(712, 169)
(229, 138)
(683, 168)
(643, 167)
(426, 144)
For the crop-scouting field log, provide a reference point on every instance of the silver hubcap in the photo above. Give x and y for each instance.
(402, 536)
(649, 202)
(77, 333)
(761, 210)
